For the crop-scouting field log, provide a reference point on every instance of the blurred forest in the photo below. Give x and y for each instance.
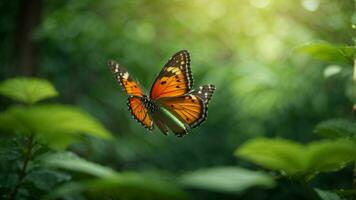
(282, 69)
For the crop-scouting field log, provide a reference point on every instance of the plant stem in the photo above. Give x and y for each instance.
(23, 171)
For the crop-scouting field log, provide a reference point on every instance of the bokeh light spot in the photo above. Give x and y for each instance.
(260, 3)
(310, 5)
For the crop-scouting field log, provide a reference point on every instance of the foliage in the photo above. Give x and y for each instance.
(296, 160)
(57, 124)
(327, 52)
(282, 69)
(70, 161)
(327, 195)
(227, 179)
(129, 185)
(27, 90)
(336, 128)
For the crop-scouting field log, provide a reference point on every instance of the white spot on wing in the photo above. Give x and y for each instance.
(126, 75)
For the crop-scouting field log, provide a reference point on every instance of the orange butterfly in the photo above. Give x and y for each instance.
(172, 103)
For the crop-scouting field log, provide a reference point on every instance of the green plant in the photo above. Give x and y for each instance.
(227, 179)
(32, 157)
(299, 161)
(303, 162)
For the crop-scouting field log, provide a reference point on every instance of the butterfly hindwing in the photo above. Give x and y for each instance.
(204, 92)
(139, 111)
(191, 108)
(175, 79)
(135, 93)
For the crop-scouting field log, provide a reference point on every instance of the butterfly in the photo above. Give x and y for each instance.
(172, 103)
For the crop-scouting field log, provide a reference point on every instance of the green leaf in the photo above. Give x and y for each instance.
(227, 179)
(336, 128)
(328, 52)
(328, 156)
(297, 160)
(327, 195)
(58, 125)
(45, 179)
(275, 154)
(123, 186)
(109, 182)
(70, 161)
(345, 193)
(27, 90)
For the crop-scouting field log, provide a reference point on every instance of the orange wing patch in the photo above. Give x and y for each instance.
(175, 79)
(130, 86)
(133, 89)
(140, 113)
(187, 108)
(192, 108)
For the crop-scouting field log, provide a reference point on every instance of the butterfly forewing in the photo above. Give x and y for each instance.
(130, 86)
(135, 93)
(175, 79)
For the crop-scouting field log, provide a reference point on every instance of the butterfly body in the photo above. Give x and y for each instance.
(165, 121)
(150, 105)
(172, 103)
(162, 117)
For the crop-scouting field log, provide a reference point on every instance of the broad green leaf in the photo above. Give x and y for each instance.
(335, 128)
(297, 160)
(72, 162)
(276, 154)
(27, 90)
(123, 186)
(327, 156)
(227, 179)
(328, 52)
(58, 124)
(107, 181)
(327, 195)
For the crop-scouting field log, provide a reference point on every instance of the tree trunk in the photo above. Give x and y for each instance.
(26, 48)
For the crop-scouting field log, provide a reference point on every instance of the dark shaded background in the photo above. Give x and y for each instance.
(246, 48)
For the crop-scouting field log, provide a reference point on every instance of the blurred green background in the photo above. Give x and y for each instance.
(252, 50)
